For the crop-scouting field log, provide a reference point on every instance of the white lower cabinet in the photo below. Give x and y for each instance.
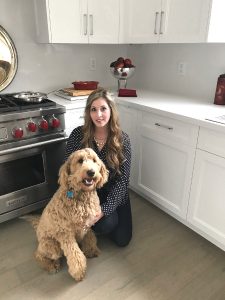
(180, 168)
(128, 121)
(166, 151)
(206, 212)
(74, 118)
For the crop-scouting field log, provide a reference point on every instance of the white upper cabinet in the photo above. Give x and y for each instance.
(129, 21)
(77, 21)
(139, 21)
(103, 23)
(184, 21)
(164, 21)
(216, 32)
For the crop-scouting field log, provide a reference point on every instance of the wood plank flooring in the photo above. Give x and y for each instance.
(164, 261)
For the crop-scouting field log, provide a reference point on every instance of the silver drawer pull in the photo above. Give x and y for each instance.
(91, 24)
(85, 23)
(81, 117)
(161, 23)
(164, 126)
(156, 22)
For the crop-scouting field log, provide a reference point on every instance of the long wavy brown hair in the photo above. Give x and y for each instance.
(114, 143)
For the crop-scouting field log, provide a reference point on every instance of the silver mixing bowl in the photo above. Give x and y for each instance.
(122, 73)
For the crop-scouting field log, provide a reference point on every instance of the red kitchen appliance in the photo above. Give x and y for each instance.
(220, 91)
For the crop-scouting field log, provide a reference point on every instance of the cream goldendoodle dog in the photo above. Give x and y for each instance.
(63, 226)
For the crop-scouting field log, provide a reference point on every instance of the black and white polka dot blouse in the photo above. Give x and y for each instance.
(115, 192)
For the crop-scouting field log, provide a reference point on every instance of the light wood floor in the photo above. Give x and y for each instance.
(165, 261)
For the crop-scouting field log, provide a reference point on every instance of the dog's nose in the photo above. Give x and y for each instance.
(91, 173)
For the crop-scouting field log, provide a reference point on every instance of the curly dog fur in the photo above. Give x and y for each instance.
(63, 225)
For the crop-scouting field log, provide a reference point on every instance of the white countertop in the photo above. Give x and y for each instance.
(190, 110)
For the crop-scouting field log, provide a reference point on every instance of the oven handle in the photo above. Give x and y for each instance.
(32, 145)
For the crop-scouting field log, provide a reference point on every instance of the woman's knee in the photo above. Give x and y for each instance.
(121, 239)
(107, 224)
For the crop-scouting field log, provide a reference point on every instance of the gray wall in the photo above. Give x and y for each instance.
(157, 68)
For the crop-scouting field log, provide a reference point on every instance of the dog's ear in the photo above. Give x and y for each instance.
(64, 173)
(104, 175)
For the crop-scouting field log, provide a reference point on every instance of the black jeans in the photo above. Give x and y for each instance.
(118, 225)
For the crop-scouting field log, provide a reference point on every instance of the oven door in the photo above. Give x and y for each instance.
(29, 178)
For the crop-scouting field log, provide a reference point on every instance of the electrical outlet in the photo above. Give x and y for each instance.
(182, 68)
(92, 64)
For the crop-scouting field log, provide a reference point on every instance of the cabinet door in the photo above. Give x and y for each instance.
(139, 21)
(103, 21)
(73, 119)
(206, 210)
(128, 120)
(166, 150)
(185, 20)
(67, 21)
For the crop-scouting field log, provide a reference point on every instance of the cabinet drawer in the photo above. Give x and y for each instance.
(172, 129)
(211, 141)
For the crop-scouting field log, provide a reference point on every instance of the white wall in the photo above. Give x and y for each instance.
(46, 67)
(157, 68)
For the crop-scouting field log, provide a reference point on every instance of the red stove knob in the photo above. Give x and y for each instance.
(31, 126)
(17, 133)
(55, 123)
(43, 124)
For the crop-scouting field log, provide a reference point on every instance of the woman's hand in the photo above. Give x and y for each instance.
(91, 222)
(98, 217)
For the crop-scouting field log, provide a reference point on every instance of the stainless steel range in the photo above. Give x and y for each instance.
(32, 146)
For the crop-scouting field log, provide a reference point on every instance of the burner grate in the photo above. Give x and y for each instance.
(9, 103)
(30, 105)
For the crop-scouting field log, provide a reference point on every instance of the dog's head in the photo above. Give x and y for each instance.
(83, 170)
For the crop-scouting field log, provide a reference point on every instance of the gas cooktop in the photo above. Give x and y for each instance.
(8, 103)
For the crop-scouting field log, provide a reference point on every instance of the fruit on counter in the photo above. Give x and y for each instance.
(120, 59)
(119, 64)
(127, 62)
(122, 63)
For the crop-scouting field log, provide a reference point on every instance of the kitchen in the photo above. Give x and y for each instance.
(46, 67)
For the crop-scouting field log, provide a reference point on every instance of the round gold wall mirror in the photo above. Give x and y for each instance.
(8, 59)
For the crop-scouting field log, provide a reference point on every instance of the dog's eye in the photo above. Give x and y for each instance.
(80, 160)
(94, 160)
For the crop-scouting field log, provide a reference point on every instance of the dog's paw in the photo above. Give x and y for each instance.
(54, 267)
(77, 265)
(79, 276)
(78, 273)
(92, 252)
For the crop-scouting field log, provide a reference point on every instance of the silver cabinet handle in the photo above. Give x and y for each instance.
(85, 23)
(161, 22)
(91, 24)
(164, 126)
(81, 117)
(156, 22)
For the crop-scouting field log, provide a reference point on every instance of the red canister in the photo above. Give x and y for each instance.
(220, 91)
